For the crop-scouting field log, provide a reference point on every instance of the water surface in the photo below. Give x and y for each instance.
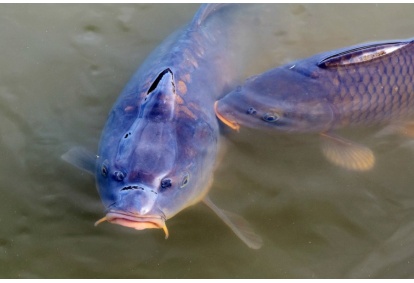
(61, 69)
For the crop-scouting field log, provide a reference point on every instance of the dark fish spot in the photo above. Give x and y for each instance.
(251, 111)
(127, 135)
(269, 117)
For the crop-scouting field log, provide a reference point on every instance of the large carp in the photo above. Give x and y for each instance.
(361, 85)
(158, 149)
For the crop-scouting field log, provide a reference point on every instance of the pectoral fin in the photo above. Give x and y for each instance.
(238, 225)
(346, 153)
(81, 158)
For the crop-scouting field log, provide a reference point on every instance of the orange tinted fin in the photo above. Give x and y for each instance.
(347, 154)
(405, 129)
(238, 225)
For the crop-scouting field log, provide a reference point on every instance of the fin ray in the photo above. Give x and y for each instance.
(238, 225)
(81, 158)
(347, 154)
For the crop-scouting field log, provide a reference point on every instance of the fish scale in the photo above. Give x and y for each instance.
(376, 80)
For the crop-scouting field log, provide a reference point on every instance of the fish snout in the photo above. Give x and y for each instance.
(225, 116)
(136, 209)
(135, 221)
(136, 199)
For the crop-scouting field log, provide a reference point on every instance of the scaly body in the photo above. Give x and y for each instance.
(360, 85)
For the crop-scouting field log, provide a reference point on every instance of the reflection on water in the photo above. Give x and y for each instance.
(61, 70)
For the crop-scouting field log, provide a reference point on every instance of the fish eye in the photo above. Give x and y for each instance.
(104, 169)
(270, 117)
(251, 111)
(166, 183)
(185, 180)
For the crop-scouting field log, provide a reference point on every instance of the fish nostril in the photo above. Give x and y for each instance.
(119, 176)
(166, 183)
(251, 111)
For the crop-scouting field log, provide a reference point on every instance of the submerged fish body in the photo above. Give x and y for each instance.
(159, 145)
(360, 85)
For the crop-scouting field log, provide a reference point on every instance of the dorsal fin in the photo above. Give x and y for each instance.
(157, 80)
(205, 11)
(362, 54)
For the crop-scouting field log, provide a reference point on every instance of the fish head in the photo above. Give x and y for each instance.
(280, 99)
(147, 174)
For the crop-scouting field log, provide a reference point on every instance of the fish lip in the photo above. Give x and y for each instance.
(135, 221)
(138, 222)
(232, 124)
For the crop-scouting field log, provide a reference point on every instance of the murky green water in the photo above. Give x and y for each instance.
(61, 69)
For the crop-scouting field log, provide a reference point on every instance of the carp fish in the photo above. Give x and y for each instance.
(159, 146)
(367, 84)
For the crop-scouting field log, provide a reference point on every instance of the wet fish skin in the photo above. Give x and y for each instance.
(147, 150)
(360, 85)
(159, 146)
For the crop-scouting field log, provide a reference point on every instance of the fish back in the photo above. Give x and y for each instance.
(370, 84)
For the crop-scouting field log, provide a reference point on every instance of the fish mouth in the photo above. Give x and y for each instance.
(232, 124)
(137, 222)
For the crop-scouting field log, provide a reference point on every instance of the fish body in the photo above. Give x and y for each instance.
(360, 85)
(159, 146)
